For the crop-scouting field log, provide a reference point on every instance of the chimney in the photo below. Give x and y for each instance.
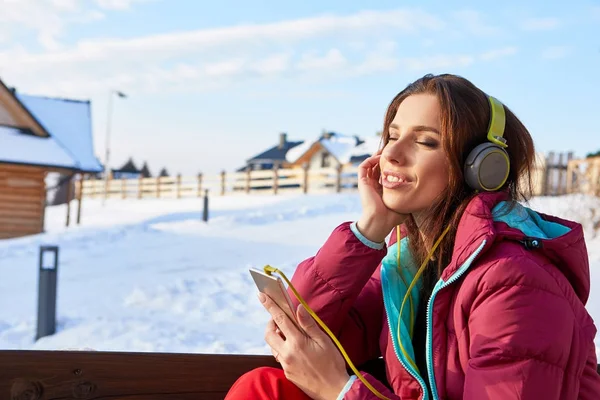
(282, 140)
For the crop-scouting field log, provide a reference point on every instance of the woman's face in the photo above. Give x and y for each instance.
(414, 169)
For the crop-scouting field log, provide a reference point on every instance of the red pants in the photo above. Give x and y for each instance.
(265, 383)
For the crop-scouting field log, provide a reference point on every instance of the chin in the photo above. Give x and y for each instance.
(397, 202)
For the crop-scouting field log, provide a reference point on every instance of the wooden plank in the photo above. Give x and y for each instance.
(101, 375)
(22, 168)
(20, 213)
(11, 202)
(26, 223)
(23, 192)
(69, 375)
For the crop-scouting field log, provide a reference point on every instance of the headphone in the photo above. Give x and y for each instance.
(487, 165)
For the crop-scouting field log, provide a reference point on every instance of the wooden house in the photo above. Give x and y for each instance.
(38, 135)
(332, 150)
(275, 156)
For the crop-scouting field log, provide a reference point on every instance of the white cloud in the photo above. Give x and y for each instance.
(118, 4)
(346, 45)
(473, 22)
(47, 19)
(333, 59)
(498, 53)
(540, 24)
(436, 62)
(555, 52)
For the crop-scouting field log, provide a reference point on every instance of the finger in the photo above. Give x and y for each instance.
(273, 339)
(283, 322)
(308, 323)
(364, 169)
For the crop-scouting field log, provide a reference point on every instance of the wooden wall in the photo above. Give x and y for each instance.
(22, 200)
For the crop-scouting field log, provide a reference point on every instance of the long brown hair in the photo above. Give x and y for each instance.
(465, 115)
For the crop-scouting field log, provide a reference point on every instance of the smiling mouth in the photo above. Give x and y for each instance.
(393, 181)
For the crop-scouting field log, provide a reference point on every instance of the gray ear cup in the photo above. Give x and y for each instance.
(487, 167)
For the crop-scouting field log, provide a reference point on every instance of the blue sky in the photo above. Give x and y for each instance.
(210, 84)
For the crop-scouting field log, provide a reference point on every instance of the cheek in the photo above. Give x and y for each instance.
(434, 175)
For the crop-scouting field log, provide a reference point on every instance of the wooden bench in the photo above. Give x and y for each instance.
(66, 375)
(70, 375)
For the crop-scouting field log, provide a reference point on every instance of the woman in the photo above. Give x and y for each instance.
(498, 311)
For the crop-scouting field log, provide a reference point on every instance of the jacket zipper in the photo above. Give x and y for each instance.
(415, 375)
(429, 339)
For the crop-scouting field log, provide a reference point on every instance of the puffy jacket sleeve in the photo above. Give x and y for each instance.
(341, 284)
(521, 331)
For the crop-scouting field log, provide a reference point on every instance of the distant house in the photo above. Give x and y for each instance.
(130, 171)
(275, 155)
(38, 135)
(332, 150)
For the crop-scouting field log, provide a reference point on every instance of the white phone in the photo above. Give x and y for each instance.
(273, 287)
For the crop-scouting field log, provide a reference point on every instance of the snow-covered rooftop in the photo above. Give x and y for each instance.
(69, 124)
(23, 148)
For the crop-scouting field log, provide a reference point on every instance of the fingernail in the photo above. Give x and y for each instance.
(301, 310)
(262, 297)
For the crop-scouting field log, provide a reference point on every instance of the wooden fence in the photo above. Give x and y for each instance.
(554, 174)
(583, 176)
(299, 180)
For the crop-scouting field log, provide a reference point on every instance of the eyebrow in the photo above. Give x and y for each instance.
(418, 128)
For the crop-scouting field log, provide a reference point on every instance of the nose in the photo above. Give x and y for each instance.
(395, 152)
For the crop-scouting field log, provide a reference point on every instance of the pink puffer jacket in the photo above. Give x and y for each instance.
(507, 320)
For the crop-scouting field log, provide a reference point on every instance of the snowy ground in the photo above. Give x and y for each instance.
(151, 276)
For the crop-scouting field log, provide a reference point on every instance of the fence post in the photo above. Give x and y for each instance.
(569, 177)
(123, 188)
(595, 175)
(69, 198)
(559, 185)
(200, 184)
(93, 186)
(248, 178)
(275, 178)
(548, 173)
(79, 195)
(140, 186)
(178, 186)
(305, 178)
(158, 187)
(338, 180)
(223, 177)
(46, 323)
(205, 209)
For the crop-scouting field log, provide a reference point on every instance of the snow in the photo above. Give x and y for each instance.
(18, 147)
(69, 122)
(149, 275)
(296, 152)
(340, 146)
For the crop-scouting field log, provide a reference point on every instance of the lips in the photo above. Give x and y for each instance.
(393, 180)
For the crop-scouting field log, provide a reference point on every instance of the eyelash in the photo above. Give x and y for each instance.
(426, 144)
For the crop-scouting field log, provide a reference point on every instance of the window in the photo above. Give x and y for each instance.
(325, 160)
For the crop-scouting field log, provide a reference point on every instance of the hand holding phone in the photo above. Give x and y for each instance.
(273, 287)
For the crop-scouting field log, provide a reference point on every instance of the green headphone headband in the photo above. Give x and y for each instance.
(497, 123)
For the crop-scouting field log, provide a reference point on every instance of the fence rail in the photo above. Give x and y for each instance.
(298, 180)
(554, 174)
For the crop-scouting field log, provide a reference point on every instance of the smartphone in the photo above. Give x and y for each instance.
(273, 287)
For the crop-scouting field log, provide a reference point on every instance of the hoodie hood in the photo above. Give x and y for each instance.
(490, 216)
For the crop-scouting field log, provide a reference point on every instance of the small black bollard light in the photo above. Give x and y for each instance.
(47, 291)
(205, 211)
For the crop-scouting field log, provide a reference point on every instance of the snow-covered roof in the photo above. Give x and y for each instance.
(25, 148)
(69, 124)
(295, 153)
(344, 148)
(369, 146)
